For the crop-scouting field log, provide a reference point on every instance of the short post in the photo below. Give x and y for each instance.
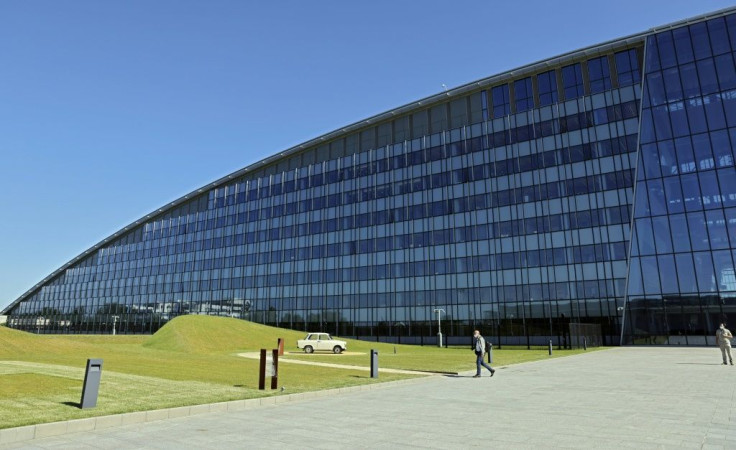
(275, 369)
(550, 347)
(374, 363)
(585, 343)
(91, 386)
(490, 353)
(281, 346)
(262, 371)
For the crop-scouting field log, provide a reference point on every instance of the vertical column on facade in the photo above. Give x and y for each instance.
(518, 214)
(397, 150)
(548, 143)
(407, 257)
(536, 277)
(383, 313)
(565, 173)
(327, 260)
(586, 77)
(595, 203)
(315, 266)
(486, 285)
(349, 261)
(477, 221)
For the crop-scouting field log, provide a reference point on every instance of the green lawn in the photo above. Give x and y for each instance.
(192, 360)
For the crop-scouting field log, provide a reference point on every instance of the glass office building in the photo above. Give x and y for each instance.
(595, 189)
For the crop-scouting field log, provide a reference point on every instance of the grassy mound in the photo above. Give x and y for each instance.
(15, 342)
(211, 334)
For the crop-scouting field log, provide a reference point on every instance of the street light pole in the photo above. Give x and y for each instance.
(439, 312)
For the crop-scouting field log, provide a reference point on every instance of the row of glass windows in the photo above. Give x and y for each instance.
(579, 185)
(187, 261)
(402, 304)
(686, 44)
(240, 193)
(693, 116)
(607, 181)
(531, 259)
(698, 231)
(265, 297)
(683, 273)
(544, 191)
(599, 76)
(678, 83)
(601, 148)
(683, 155)
(691, 192)
(239, 256)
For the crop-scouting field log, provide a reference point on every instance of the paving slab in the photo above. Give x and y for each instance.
(631, 397)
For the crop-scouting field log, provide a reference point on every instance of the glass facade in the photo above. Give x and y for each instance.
(682, 282)
(506, 205)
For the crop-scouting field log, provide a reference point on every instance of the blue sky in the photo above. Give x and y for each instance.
(109, 110)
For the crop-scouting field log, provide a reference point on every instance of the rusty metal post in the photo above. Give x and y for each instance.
(281, 346)
(275, 375)
(262, 372)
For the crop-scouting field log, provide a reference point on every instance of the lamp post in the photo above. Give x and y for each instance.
(620, 323)
(439, 312)
(114, 322)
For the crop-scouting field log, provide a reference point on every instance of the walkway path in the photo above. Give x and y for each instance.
(618, 398)
(257, 355)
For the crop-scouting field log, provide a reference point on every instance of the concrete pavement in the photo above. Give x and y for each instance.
(620, 398)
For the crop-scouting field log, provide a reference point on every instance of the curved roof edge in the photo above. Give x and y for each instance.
(426, 102)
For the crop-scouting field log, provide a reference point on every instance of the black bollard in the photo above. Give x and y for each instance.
(374, 363)
(91, 386)
(585, 344)
(550, 347)
(490, 353)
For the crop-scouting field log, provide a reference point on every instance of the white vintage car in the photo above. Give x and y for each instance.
(321, 341)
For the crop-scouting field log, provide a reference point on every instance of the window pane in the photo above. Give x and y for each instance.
(547, 85)
(500, 96)
(627, 67)
(572, 80)
(683, 46)
(686, 274)
(599, 75)
(523, 94)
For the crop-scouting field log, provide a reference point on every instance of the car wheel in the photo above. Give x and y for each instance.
(337, 350)
(308, 349)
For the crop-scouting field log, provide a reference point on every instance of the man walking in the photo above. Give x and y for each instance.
(723, 339)
(480, 350)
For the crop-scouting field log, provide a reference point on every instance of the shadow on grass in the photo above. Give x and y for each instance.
(72, 404)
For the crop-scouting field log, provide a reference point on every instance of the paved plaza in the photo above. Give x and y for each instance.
(619, 398)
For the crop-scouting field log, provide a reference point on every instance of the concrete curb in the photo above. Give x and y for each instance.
(43, 430)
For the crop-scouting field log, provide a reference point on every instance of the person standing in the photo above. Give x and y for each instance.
(723, 339)
(480, 350)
